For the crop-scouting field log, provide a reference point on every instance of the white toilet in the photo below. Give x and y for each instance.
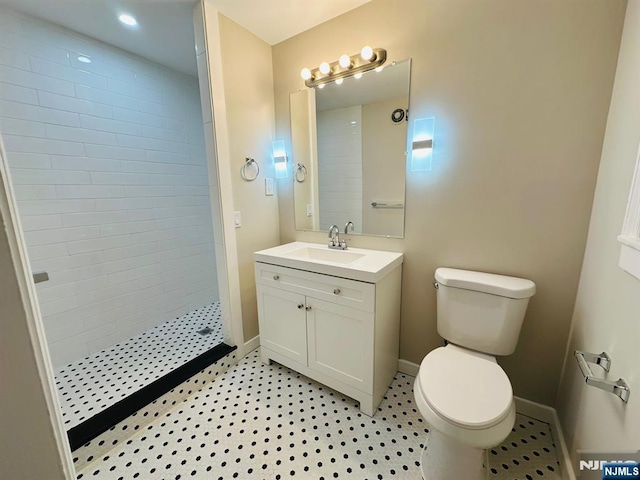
(460, 390)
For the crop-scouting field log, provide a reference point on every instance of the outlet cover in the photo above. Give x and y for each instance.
(309, 210)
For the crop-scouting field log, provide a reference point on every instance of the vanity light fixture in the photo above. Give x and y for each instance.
(279, 158)
(422, 144)
(347, 66)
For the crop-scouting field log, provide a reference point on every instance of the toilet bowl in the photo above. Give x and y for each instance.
(465, 395)
(467, 400)
(460, 390)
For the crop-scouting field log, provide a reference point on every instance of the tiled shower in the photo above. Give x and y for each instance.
(107, 158)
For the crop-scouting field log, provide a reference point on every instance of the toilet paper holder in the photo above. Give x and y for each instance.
(619, 387)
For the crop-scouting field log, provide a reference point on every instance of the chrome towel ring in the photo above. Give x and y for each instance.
(245, 171)
(301, 173)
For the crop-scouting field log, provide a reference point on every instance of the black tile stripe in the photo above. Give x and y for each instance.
(104, 420)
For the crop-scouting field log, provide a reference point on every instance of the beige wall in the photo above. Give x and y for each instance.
(383, 147)
(520, 91)
(248, 93)
(607, 309)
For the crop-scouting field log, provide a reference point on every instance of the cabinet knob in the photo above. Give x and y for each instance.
(308, 309)
(276, 277)
(300, 305)
(336, 291)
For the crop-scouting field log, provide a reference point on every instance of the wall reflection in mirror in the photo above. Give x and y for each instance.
(349, 144)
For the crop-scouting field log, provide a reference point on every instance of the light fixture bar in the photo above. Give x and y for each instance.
(359, 65)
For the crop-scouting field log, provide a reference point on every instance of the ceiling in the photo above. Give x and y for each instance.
(165, 31)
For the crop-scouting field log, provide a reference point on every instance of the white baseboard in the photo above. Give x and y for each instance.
(534, 410)
(410, 368)
(565, 459)
(549, 415)
(252, 344)
(531, 409)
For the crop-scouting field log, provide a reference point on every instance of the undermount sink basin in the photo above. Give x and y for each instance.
(355, 263)
(325, 254)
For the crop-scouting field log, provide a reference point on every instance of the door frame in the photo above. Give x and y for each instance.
(38, 355)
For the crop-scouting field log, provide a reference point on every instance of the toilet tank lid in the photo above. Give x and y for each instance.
(501, 285)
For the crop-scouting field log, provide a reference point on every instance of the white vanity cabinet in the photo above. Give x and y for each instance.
(341, 332)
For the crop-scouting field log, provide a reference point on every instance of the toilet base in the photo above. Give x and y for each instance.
(444, 458)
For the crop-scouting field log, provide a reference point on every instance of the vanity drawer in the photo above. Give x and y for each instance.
(350, 293)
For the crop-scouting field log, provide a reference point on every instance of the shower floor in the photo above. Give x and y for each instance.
(94, 383)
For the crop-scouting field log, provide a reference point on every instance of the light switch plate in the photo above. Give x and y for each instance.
(268, 186)
(237, 219)
(309, 210)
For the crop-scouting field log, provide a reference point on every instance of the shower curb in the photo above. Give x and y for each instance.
(101, 422)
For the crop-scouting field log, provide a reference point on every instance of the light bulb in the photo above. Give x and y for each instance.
(325, 68)
(128, 20)
(339, 81)
(379, 69)
(321, 85)
(305, 73)
(367, 53)
(345, 61)
(357, 75)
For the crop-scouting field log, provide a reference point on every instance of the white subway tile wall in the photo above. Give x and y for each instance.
(340, 175)
(108, 163)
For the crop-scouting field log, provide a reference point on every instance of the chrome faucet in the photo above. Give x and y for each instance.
(348, 225)
(334, 235)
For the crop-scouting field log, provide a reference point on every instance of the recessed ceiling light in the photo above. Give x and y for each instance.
(84, 59)
(128, 20)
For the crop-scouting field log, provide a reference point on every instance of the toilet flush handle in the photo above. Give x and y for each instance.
(436, 285)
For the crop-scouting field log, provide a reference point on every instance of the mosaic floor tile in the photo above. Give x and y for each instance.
(84, 456)
(89, 385)
(528, 453)
(269, 422)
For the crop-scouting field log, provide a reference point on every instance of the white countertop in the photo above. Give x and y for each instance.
(369, 266)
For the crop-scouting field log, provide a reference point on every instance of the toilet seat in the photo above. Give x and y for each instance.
(465, 388)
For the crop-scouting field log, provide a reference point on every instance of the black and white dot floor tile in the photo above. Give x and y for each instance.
(268, 422)
(528, 453)
(89, 385)
(120, 433)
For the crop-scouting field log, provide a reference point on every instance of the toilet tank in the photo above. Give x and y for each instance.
(481, 311)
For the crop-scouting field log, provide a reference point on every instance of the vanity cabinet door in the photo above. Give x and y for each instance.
(341, 343)
(283, 326)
